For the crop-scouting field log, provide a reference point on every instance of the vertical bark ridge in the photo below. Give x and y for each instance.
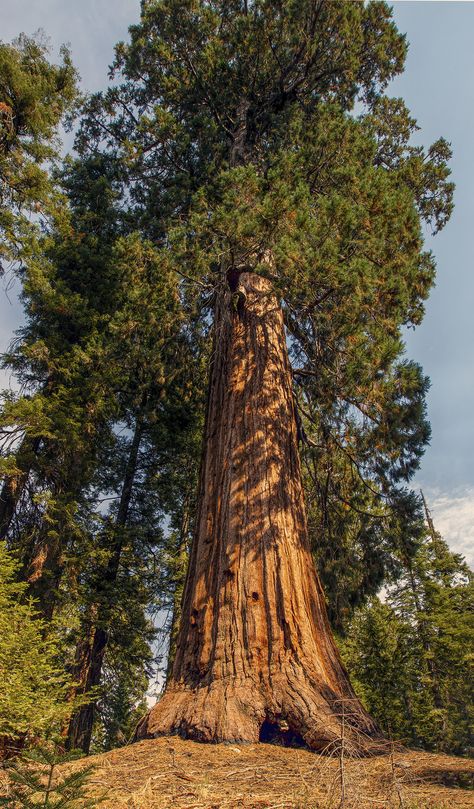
(255, 645)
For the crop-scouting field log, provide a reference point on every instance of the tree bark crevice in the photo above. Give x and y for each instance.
(255, 647)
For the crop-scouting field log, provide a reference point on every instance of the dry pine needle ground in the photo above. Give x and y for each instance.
(169, 773)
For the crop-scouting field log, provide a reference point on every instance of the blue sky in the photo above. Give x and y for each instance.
(438, 86)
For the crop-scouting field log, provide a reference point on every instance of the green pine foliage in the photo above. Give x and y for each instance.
(34, 781)
(106, 348)
(33, 697)
(410, 656)
(35, 95)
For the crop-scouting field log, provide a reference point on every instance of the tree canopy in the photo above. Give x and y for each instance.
(35, 96)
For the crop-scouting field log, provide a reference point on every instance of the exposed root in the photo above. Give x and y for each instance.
(242, 714)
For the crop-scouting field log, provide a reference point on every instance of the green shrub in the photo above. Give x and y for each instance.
(34, 688)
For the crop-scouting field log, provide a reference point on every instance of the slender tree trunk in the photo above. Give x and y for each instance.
(255, 655)
(425, 642)
(87, 673)
(43, 558)
(42, 555)
(181, 562)
(13, 486)
(431, 528)
(45, 569)
(90, 651)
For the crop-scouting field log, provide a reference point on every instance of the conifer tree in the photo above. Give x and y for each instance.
(153, 354)
(104, 349)
(35, 781)
(411, 656)
(34, 685)
(68, 400)
(250, 170)
(35, 95)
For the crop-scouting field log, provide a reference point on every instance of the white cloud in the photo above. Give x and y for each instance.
(453, 516)
(91, 28)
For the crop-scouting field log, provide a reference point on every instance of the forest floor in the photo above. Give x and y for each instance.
(169, 773)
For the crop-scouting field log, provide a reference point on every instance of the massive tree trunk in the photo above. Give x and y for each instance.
(255, 653)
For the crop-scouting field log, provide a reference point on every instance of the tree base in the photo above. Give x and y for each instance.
(294, 714)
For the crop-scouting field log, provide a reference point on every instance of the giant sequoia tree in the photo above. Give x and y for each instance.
(254, 649)
(249, 168)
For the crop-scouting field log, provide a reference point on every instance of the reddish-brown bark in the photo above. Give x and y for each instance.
(255, 653)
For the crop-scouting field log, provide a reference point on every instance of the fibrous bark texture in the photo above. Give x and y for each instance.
(255, 655)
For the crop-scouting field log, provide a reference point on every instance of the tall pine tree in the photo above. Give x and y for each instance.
(411, 657)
